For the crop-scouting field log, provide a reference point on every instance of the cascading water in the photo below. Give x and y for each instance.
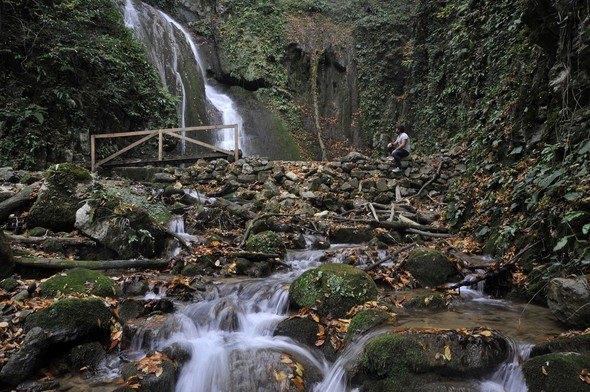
(509, 377)
(168, 44)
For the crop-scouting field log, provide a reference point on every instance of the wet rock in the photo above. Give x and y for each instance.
(430, 267)
(320, 243)
(430, 301)
(89, 355)
(300, 329)
(568, 299)
(6, 259)
(350, 234)
(135, 286)
(365, 320)
(80, 281)
(151, 382)
(38, 386)
(446, 354)
(557, 372)
(178, 353)
(246, 374)
(132, 308)
(73, 320)
(574, 343)
(332, 289)
(23, 364)
(60, 197)
(141, 333)
(164, 177)
(266, 242)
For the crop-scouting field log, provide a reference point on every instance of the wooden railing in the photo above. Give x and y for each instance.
(179, 133)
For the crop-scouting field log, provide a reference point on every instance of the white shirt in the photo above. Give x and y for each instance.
(403, 136)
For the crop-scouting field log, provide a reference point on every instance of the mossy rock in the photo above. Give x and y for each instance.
(366, 320)
(58, 201)
(430, 267)
(73, 319)
(557, 372)
(266, 242)
(576, 343)
(80, 281)
(6, 258)
(9, 284)
(433, 301)
(88, 355)
(391, 355)
(37, 231)
(332, 289)
(300, 329)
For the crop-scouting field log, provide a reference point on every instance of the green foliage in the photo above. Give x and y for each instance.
(69, 68)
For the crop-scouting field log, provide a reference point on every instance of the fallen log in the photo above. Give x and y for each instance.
(253, 255)
(61, 264)
(397, 226)
(428, 234)
(376, 264)
(68, 241)
(472, 279)
(19, 202)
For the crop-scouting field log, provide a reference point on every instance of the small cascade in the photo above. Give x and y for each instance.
(176, 226)
(174, 53)
(509, 377)
(476, 294)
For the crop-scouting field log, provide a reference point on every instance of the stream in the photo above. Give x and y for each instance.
(229, 334)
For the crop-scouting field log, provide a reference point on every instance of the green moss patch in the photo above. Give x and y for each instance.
(332, 289)
(558, 372)
(391, 355)
(266, 242)
(365, 320)
(80, 281)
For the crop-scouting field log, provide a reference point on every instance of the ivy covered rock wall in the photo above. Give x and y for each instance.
(69, 69)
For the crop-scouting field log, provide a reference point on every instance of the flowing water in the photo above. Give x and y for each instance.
(175, 54)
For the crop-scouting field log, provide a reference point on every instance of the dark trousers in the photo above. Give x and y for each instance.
(398, 155)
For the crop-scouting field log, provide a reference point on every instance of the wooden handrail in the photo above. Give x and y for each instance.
(174, 132)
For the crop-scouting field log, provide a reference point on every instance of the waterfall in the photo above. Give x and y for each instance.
(168, 42)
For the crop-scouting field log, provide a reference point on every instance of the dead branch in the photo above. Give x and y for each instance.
(67, 241)
(376, 264)
(20, 201)
(60, 264)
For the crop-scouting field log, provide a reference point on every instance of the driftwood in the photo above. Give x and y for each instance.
(495, 269)
(67, 241)
(60, 264)
(253, 255)
(19, 201)
(428, 234)
(376, 264)
(436, 175)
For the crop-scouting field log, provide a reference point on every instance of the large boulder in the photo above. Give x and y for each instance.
(402, 357)
(80, 281)
(430, 267)
(571, 343)
(332, 289)
(60, 197)
(568, 299)
(161, 376)
(300, 329)
(73, 320)
(62, 325)
(128, 229)
(557, 372)
(282, 372)
(6, 259)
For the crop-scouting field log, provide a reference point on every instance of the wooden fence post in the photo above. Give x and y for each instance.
(160, 145)
(92, 152)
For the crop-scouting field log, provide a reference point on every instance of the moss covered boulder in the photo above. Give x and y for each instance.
(266, 242)
(73, 320)
(129, 229)
(365, 320)
(392, 355)
(80, 281)
(571, 343)
(60, 197)
(557, 372)
(300, 329)
(430, 267)
(332, 289)
(427, 301)
(88, 355)
(6, 259)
